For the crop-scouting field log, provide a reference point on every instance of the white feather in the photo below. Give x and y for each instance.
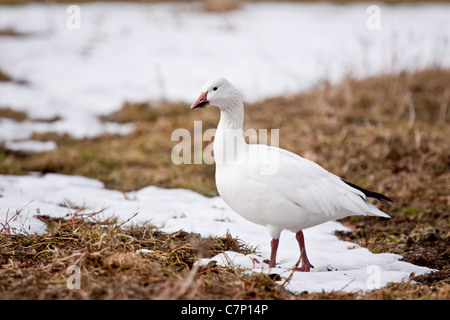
(271, 186)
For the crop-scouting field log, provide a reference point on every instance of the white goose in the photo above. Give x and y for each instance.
(274, 187)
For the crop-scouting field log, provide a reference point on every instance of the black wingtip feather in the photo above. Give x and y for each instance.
(371, 194)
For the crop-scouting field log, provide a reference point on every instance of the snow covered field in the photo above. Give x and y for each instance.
(338, 264)
(141, 52)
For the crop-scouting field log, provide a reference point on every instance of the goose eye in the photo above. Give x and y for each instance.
(215, 88)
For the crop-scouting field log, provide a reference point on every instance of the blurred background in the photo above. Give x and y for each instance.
(63, 65)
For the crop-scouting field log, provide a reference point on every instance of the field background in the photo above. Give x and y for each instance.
(387, 132)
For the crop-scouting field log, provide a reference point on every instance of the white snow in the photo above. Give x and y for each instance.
(31, 146)
(338, 265)
(149, 52)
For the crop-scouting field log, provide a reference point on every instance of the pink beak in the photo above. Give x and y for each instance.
(201, 101)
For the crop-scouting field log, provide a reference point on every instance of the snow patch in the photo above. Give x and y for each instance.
(338, 265)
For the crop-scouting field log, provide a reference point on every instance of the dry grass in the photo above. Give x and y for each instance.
(151, 1)
(112, 265)
(145, 263)
(388, 133)
(145, 154)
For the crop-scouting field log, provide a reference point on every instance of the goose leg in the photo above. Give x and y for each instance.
(273, 252)
(306, 265)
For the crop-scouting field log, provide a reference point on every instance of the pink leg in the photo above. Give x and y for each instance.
(306, 265)
(273, 252)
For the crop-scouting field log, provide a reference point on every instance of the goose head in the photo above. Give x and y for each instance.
(218, 92)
